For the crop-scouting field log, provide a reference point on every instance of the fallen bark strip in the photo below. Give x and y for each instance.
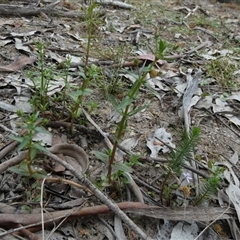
(16, 11)
(176, 214)
(197, 214)
(115, 3)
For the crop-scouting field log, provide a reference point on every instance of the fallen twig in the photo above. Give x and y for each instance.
(14, 10)
(30, 220)
(115, 4)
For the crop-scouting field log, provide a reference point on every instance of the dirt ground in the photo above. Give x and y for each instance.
(119, 35)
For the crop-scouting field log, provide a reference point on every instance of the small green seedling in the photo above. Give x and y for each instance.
(120, 170)
(179, 156)
(31, 126)
(209, 186)
(41, 77)
(222, 70)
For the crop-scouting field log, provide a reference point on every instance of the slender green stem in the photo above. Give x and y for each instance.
(29, 161)
(88, 47)
(163, 186)
(85, 80)
(118, 138)
(29, 152)
(132, 94)
(42, 76)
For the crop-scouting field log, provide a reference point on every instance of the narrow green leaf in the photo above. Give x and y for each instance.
(82, 75)
(87, 92)
(33, 153)
(24, 143)
(124, 103)
(78, 112)
(20, 169)
(102, 156)
(16, 138)
(162, 46)
(41, 129)
(120, 166)
(136, 110)
(74, 95)
(113, 102)
(39, 174)
(183, 152)
(40, 147)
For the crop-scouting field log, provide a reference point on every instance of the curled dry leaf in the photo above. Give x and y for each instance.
(18, 64)
(156, 142)
(55, 166)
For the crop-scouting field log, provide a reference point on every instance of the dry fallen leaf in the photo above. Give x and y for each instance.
(18, 64)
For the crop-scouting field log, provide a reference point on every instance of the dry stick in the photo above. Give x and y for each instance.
(207, 32)
(115, 4)
(41, 205)
(8, 130)
(50, 218)
(201, 233)
(62, 180)
(26, 233)
(216, 115)
(42, 214)
(101, 196)
(31, 225)
(164, 160)
(8, 148)
(108, 142)
(59, 224)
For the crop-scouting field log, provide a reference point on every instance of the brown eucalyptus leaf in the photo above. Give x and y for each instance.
(18, 64)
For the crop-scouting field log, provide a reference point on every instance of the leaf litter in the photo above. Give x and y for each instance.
(186, 27)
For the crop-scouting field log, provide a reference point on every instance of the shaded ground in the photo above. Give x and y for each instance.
(119, 35)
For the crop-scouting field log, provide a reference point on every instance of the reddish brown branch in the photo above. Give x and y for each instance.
(14, 220)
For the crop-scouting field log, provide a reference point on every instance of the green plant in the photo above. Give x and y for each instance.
(160, 46)
(126, 109)
(210, 185)
(92, 107)
(88, 73)
(134, 161)
(66, 66)
(120, 170)
(41, 78)
(222, 69)
(79, 92)
(112, 85)
(112, 82)
(180, 155)
(31, 127)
